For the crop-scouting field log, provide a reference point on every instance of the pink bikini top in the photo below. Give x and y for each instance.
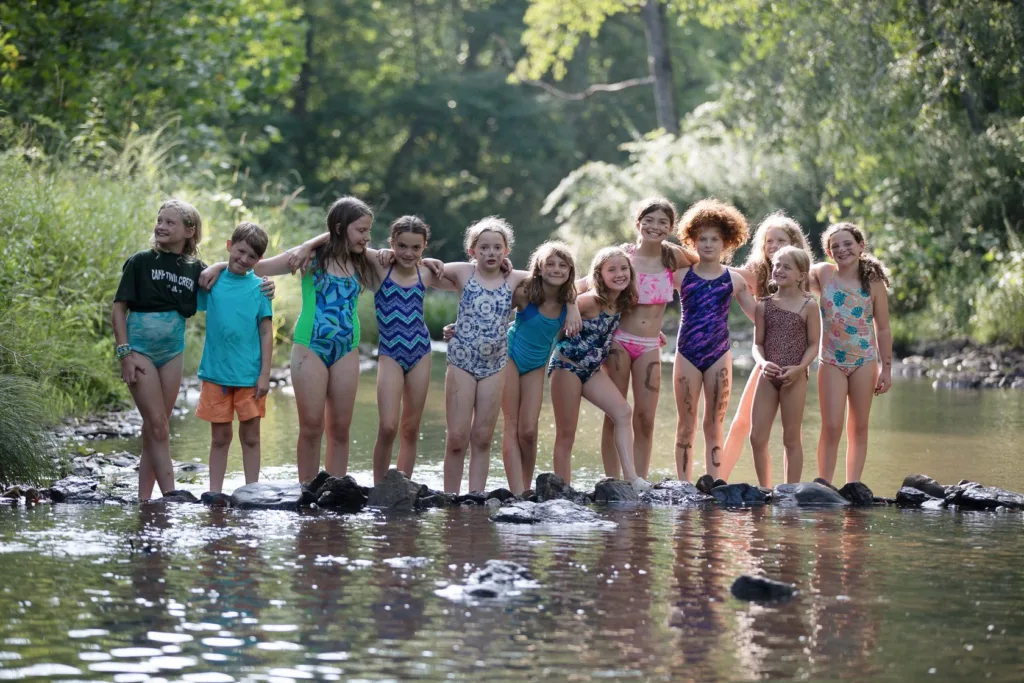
(653, 288)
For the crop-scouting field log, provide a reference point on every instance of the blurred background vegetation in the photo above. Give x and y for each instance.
(907, 117)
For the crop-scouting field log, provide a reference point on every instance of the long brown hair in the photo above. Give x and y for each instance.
(869, 268)
(534, 286)
(758, 261)
(648, 206)
(191, 219)
(413, 224)
(626, 299)
(343, 213)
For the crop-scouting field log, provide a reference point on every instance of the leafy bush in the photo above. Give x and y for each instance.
(439, 309)
(24, 445)
(999, 309)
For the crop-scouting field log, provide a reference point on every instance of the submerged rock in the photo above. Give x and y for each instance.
(909, 497)
(760, 589)
(471, 498)
(548, 512)
(922, 482)
(435, 499)
(395, 492)
(807, 494)
(706, 483)
(340, 493)
(858, 494)
(550, 486)
(615, 491)
(268, 496)
(738, 495)
(977, 497)
(676, 493)
(501, 495)
(496, 579)
(215, 500)
(179, 496)
(78, 490)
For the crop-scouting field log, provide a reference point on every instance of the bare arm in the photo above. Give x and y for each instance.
(266, 356)
(742, 294)
(749, 276)
(573, 319)
(300, 257)
(758, 347)
(883, 335)
(817, 279)
(684, 257)
(582, 285)
(119, 321)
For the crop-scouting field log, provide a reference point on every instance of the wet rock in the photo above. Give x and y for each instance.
(4, 500)
(819, 480)
(215, 500)
(705, 483)
(267, 496)
(179, 496)
(318, 481)
(760, 589)
(501, 495)
(77, 490)
(807, 494)
(496, 579)
(492, 503)
(858, 494)
(738, 495)
(979, 497)
(909, 497)
(98, 465)
(934, 504)
(922, 482)
(193, 468)
(549, 512)
(550, 486)
(343, 494)
(471, 498)
(675, 493)
(435, 499)
(615, 491)
(395, 492)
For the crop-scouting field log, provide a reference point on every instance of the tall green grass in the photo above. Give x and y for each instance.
(24, 446)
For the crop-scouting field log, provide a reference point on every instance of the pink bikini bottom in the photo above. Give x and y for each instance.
(636, 346)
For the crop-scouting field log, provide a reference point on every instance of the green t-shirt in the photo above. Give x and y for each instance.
(234, 308)
(156, 281)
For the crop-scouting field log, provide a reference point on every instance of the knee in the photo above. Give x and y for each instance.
(386, 432)
(758, 438)
(158, 430)
(221, 439)
(250, 441)
(684, 431)
(480, 439)
(621, 414)
(409, 432)
(831, 429)
(528, 435)
(792, 441)
(311, 427)
(645, 420)
(710, 422)
(859, 431)
(457, 441)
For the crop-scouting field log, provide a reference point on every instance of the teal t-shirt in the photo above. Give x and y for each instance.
(234, 308)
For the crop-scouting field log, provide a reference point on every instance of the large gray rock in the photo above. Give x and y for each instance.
(858, 494)
(550, 486)
(340, 493)
(615, 491)
(549, 512)
(760, 589)
(265, 495)
(78, 490)
(675, 493)
(179, 496)
(395, 492)
(922, 482)
(738, 495)
(975, 497)
(909, 497)
(807, 494)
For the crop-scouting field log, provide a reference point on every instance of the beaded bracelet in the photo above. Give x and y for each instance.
(123, 351)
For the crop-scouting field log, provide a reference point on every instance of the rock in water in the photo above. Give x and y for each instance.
(615, 491)
(807, 494)
(548, 512)
(922, 482)
(760, 589)
(909, 497)
(984, 498)
(501, 495)
(340, 493)
(267, 496)
(858, 494)
(819, 480)
(705, 483)
(318, 481)
(738, 495)
(215, 500)
(77, 490)
(496, 579)
(676, 493)
(179, 496)
(395, 492)
(550, 486)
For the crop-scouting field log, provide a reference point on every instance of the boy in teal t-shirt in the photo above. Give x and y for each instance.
(235, 368)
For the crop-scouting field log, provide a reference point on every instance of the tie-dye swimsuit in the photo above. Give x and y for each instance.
(704, 327)
(848, 331)
(588, 349)
(480, 344)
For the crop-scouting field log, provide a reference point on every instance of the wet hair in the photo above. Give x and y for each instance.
(413, 224)
(758, 261)
(534, 286)
(253, 235)
(648, 206)
(801, 259)
(343, 213)
(191, 219)
(490, 224)
(869, 268)
(627, 298)
(712, 213)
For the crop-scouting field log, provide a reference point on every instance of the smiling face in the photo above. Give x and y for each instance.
(709, 244)
(844, 248)
(241, 257)
(615, 273)
(489, 250)
(170, 232)
(408, 248)
(357, 234)
(554, 271)
(654, 226)
(786, 273)
(775, 239)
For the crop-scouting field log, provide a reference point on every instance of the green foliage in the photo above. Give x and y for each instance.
(999, 309)
(24, 444)
(439, 309)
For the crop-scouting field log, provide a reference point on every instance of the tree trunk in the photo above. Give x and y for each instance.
(660, 60)
(300, 94)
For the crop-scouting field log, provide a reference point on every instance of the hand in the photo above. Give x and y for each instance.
(448, 332)
(130, 369)
(262, 386)
(662, 339)
(267, 287)
(385, 257)
(789, 374)
(771, 370)
(884, 381)
(209, 276)
(506, 266)
(573, 321)
(300, 258)
(435, 266)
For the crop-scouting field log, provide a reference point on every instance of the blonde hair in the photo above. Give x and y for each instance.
(191, 219)
(869, 268)
(801, 259)
(534, 286)
(712, 213)
(490, 224)
(758, 261)
(626, 299)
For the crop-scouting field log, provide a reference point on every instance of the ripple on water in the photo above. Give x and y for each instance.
(38, 671)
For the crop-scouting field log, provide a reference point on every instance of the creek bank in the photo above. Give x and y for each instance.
(963, 364)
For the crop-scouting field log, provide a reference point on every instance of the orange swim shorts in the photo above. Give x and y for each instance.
(219, 404)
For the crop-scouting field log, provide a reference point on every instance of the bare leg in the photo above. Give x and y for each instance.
(459, 399)
(221, 434)
(687, 382)
(390, 386)
(646, 389)
(417, 383)
(793, 398)
(170, 382)
(717, 385)
(531, 396)
(511, 453)
(566, 391)
(762, 414)
(249, 435)
(600, 391)
(832, 390)
(341, 401)
(618, 367)
(309, 380)
(861, 393)
(485, 417)
(150, 396)
(740, 427)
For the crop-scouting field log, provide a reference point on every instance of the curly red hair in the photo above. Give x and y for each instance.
(712, 213)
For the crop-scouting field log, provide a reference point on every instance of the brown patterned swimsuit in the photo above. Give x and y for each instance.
(785, 336)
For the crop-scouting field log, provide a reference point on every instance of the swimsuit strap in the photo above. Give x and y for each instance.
(564, 313)
(388, 276)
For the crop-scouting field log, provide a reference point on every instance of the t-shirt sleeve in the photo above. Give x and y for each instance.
(266, 310)
(127, 289)
(202, 299)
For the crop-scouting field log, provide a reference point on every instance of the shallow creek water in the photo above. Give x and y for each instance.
(189, 593)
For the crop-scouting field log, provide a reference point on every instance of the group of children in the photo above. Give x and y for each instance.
(594, 337)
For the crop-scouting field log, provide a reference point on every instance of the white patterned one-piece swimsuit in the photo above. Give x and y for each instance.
(480, 343)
